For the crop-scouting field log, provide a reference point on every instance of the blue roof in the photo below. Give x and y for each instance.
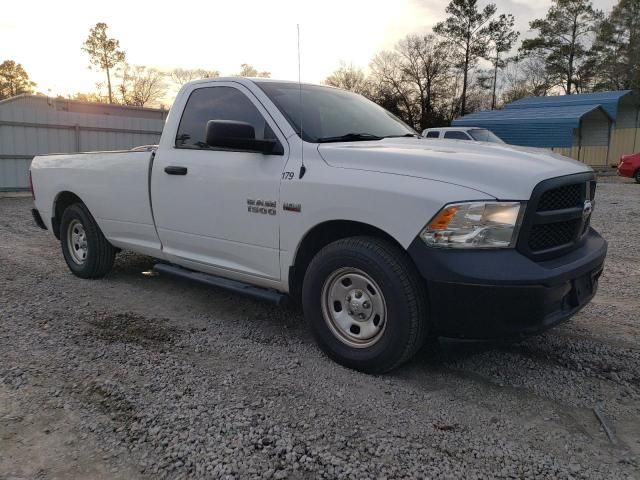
(532, 127)
(607, 100)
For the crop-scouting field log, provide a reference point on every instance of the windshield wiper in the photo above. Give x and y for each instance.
(415, 135)
(350, 137)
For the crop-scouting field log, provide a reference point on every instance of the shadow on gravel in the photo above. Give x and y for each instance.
(132, 328)
(443, 351)
(131, 263)
(557, 349)
(612, 362)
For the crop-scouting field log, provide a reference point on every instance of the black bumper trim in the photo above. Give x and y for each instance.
(37, 218)
(490, 294)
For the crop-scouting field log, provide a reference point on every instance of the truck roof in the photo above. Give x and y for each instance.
(248, 80)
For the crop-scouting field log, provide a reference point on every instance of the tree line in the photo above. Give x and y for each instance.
(469, 61)
(466, 63)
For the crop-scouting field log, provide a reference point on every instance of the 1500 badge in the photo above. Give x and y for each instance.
(265, 207)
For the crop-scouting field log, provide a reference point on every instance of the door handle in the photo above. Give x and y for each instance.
(175, 170)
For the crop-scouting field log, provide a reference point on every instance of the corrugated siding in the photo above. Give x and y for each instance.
(627, 115)
(594, 129)
(14, 173)
(623, 142)
(525, 132)
(594, 156)
(571, 152)
(65, 105)
(625, 137)
(28, 131)
(27, 101)
(541, 135)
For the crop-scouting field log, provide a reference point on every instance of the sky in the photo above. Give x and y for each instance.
(46, 36)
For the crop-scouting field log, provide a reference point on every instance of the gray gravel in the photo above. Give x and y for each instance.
(146, 376)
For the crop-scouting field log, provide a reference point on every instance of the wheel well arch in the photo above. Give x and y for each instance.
(322, 235)
(62, 201)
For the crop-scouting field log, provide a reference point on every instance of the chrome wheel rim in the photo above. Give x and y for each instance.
(77, 242)
(354, 307)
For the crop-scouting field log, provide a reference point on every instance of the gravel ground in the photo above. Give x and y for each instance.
(140, 376)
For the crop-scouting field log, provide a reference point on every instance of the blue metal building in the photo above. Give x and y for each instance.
(538, 127)
(609, 101)
(595, 128)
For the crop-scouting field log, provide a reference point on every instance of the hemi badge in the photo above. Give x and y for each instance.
(291, 207)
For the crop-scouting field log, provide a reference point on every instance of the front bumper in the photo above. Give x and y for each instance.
(492, 294)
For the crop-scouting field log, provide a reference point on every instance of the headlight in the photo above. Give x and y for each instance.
(474, 225)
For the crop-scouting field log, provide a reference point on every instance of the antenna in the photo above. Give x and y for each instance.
(303, 169)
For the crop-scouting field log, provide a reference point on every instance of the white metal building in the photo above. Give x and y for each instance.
(32, 125)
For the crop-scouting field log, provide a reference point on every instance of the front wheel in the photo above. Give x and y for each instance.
(365, 304)
(87, 253)
(637, 176)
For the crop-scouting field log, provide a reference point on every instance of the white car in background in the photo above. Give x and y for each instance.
(475, 134)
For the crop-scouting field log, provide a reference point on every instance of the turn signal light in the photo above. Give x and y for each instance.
(442, 220)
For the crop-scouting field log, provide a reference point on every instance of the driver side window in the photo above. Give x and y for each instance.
(217, 103)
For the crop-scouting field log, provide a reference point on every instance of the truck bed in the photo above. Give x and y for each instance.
(113, 185)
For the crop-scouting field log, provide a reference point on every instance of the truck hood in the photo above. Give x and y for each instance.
(502, 171)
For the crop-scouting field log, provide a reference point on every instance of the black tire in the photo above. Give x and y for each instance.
(100, 254)
(403, 293)
(637, 176)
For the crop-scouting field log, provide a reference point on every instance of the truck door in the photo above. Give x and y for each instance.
(203, 197)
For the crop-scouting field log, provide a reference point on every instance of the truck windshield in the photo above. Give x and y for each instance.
(333, 115)
(484, 135)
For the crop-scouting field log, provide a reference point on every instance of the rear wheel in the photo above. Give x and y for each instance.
(637, 176)
(87, 252)
(365, 304)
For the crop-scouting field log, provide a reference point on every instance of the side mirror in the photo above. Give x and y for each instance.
(236, 135)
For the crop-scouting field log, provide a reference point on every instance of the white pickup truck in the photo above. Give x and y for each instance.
(277, 189)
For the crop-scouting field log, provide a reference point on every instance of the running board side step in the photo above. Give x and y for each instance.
(245, 289)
